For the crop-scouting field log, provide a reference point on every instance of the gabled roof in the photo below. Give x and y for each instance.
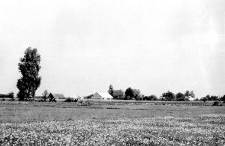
(38, 97)
(88, 97)
(104, 94)
(59, 96)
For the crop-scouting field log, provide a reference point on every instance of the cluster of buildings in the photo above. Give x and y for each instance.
(60, 97)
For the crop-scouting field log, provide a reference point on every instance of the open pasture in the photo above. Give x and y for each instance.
(143, 124)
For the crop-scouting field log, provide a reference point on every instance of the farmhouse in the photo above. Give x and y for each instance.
(102, 95)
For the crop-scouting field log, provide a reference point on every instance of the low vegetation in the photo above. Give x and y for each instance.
(67, 124)
(135, 94)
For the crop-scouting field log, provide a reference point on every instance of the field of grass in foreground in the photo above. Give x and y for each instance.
(66, 124)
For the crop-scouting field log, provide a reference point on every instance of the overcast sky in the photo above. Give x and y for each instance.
(86, 45)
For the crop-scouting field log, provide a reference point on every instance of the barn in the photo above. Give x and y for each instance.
(102, 95)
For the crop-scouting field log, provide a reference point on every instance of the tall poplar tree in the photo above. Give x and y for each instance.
(29, 67)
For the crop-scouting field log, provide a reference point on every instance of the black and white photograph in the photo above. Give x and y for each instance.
(112, 73)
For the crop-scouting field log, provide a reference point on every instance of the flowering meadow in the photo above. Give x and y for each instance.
(205, 129)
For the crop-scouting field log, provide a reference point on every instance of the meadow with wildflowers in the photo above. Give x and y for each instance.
(162, 129)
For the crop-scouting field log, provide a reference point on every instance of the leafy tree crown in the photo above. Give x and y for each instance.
(29, 66)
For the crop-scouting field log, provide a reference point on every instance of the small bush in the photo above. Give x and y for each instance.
(217, 103)
(151, 97)
(12, 99)
(69, 100)
(86, 103)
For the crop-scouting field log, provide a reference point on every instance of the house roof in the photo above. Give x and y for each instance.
(104, 94)
(38, 97)
(59, 96)
(87, 97)
(5, 96)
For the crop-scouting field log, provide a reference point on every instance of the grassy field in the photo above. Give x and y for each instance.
(38, 123)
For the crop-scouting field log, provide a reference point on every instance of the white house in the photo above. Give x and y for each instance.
(102, 95)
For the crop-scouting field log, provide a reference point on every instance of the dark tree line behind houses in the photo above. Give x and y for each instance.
(135, 94)
(213, 98)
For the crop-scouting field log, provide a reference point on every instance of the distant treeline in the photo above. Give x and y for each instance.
(213, 98)
(135, 94)
(7, 96)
